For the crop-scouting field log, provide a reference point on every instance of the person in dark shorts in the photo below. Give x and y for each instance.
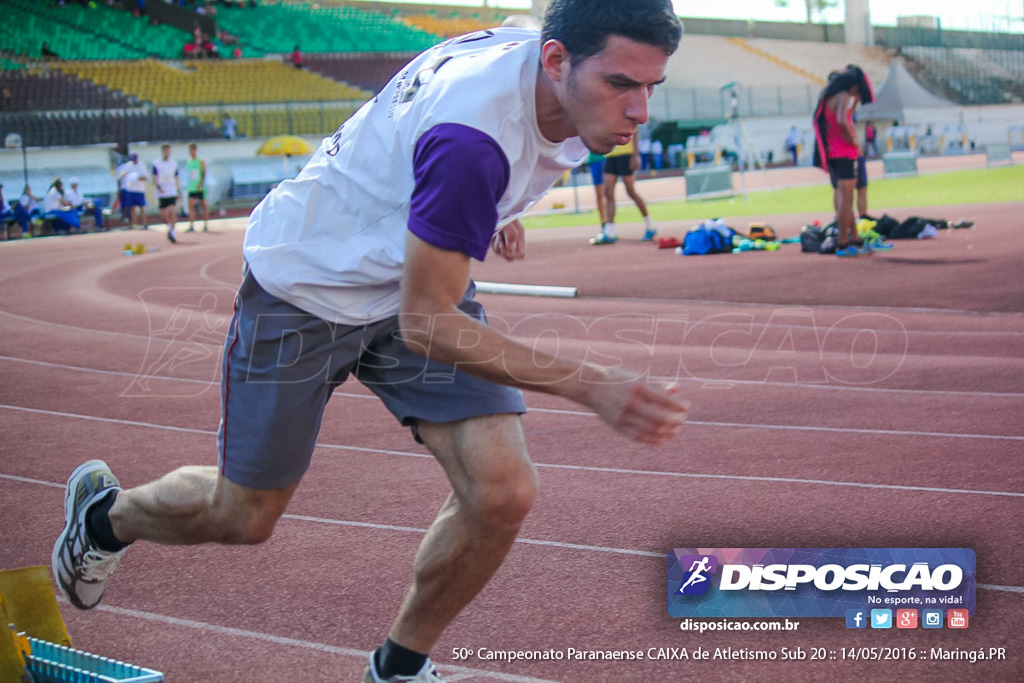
(621, 162)
(364, 270)
(168, 187)
(838, 152)
(196, 169)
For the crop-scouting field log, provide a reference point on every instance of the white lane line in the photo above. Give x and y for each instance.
(581, 468)
(584, 413)
(418, 530)
(297, 642)
(658, 378)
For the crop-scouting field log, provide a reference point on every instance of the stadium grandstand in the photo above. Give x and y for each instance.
(114, 76)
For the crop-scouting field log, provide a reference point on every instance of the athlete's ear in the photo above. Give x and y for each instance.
(555, 60)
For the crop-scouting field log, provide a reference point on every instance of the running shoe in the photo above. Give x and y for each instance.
(170, 236)
(850, 252)
(649, 235)
(603, 239)
(80, 567)
(428, 674)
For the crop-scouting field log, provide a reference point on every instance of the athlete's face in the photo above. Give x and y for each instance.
(606, 95)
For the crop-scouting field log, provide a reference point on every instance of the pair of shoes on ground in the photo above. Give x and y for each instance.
(865, 249)
(81, 568)
(852, 251)
(427, 674)
(605, 238)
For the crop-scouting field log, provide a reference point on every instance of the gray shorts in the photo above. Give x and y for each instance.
(281, 365)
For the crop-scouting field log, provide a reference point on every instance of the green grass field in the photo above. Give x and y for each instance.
(971, 186)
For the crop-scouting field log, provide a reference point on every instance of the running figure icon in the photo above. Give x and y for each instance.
(696, 570)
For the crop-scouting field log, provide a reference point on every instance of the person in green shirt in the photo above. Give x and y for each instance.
(196, 189)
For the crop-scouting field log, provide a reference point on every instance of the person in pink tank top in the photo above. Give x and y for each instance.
(837, 150)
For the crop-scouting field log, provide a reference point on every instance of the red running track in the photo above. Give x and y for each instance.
(872, 402)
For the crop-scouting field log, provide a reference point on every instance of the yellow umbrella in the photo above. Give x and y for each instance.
(285, 144)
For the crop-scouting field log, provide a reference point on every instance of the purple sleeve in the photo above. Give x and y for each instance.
(461, 173)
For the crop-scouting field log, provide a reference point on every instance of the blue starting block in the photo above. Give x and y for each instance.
(49, 662)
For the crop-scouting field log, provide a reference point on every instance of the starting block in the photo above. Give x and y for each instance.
(37, 647)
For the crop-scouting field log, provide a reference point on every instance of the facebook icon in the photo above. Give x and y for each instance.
(856, 618)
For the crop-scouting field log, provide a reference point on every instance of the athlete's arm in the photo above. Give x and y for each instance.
(434, 281)
(461, 176)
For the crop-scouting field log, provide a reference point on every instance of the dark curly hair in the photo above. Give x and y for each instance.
(583, 26)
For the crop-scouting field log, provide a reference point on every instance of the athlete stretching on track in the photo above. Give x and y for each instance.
(371, 262)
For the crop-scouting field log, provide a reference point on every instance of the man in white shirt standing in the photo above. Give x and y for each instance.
(132, 176)
(168, 187)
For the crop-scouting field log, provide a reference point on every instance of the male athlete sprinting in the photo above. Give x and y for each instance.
(357, 268)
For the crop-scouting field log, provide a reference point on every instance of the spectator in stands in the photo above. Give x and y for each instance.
(296, 58)
(25, 210)
(793, 144)
(229, 126)
(374, 262)
(621, 162)
(135, 176)
(59, 211)
(30, 203)
(168, 187)
(7, 212)
(196, 188)
(83, 205)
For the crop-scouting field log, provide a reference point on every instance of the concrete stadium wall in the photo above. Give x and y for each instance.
(821, 33)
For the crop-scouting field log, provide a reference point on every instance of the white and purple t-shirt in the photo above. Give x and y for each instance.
(165, 174)
(450, 150)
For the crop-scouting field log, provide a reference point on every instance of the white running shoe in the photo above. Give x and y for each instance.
(82, 569)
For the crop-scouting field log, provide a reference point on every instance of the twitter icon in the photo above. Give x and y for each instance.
(881, 618)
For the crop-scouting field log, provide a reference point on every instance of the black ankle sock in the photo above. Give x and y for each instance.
(394, 660)
(97, 525)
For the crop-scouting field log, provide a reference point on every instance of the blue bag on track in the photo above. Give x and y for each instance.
(710, 237)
